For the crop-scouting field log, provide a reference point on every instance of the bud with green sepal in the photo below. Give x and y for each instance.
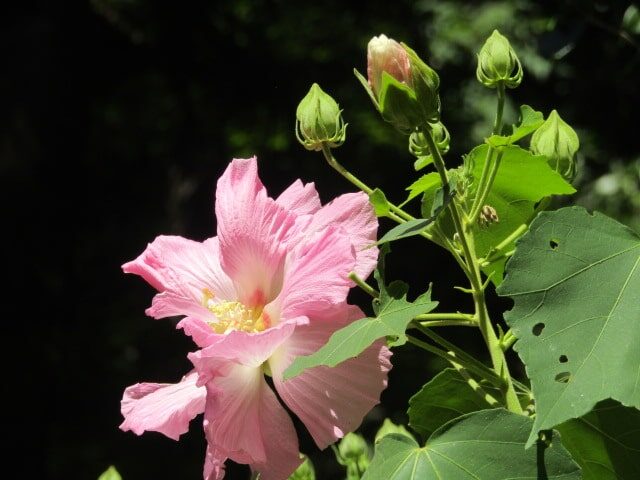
(556, 140)
(402, 87)
(319, 121)
(498, 63)
(426, 84)
(419, 147)
(353, 453)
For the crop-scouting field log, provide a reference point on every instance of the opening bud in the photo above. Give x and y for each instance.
(386, 55)
(403, 88)
(319, 120)
(498, 63)
(556, 140)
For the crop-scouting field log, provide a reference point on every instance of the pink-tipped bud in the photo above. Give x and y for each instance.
(386, 55)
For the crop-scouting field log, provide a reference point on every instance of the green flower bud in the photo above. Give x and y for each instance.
(305, 471)
(420, 149)
(389, 427)
(556, 140)
(498, 63)
(319, 121)
(353, 453)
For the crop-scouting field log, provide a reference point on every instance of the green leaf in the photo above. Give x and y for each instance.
(394, 313)
(523, 179)
(379, 202)
(575, 280)
(421, 185)
(407, 229)
(484, 445)
(530, 120)
(110, 474)
(445, 397)
(605, 442)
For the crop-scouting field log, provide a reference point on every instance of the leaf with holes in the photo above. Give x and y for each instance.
(484, 445)
(575, 281)
(605, 442)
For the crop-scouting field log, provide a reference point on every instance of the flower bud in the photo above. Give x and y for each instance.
(386, 55)
(403, 87)
(353, 452)
(419, 148)
(498, 63)
(556, 140)
(319, 121)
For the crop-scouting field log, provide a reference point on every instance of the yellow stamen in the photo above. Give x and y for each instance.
(234, 315)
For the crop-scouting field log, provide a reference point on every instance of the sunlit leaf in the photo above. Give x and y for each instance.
(484, 445)
(575, 280)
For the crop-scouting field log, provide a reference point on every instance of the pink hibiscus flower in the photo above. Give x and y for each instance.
(270, 287)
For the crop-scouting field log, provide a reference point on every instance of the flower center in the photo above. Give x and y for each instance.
(234, 315)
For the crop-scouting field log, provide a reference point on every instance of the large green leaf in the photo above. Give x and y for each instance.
(575, 282)
(445, 397)
(605, 442)
(523, 180)
(484, 445)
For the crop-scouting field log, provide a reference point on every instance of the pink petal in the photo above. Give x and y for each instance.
(213, 464)
(355, 215)
(245, 421)
(162, 407)
(331, 401)
(316, 277)
(252, 229)
(299, 198)
(199, 330)
(247, 349)
(181, 269)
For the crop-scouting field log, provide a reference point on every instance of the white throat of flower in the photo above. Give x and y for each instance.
(233, 315)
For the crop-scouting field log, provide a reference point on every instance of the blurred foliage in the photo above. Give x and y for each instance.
(119, 115)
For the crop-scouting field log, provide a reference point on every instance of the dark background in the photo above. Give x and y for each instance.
(117, 117)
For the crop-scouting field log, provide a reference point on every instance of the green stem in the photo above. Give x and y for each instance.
(487, 373)
(481, 197)
(446, 316)
(497, 252)
(497, 124)
(465, 233)
(475, 386)
(363, 285)
(395, 213)
(448, 356)
(507, 340)
(449, 323)
(488, 172)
